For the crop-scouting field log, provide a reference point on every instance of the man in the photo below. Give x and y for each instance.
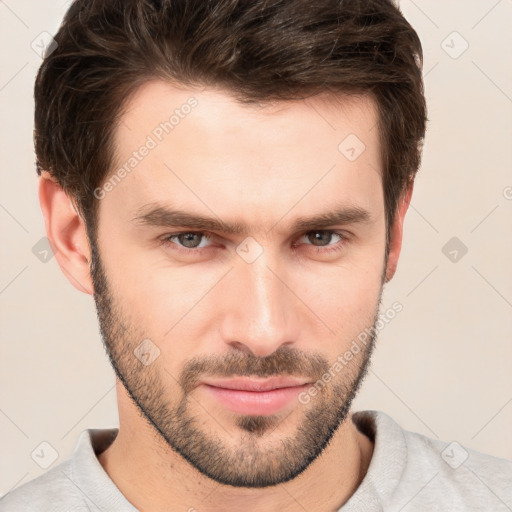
(229, 180)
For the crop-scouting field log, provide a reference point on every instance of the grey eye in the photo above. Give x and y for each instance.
(190, 240)
(320, 238)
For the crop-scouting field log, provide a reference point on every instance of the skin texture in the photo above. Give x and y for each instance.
(291, 311)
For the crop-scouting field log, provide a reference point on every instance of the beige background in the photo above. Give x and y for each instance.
(443, 366)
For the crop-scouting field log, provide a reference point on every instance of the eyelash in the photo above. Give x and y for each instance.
(167, 241)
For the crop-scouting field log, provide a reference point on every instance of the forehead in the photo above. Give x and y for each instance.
(203, 150)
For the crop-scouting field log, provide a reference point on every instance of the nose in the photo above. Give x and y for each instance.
(260, 312)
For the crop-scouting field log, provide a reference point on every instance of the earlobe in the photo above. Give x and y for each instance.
(66, 231)
(396, 234)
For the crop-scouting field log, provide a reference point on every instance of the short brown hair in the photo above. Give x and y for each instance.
(258, 50)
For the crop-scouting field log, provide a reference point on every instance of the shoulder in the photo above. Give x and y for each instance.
(79, 484)
(423, 473)
(456, 464)
(53, 490)
(467, 475)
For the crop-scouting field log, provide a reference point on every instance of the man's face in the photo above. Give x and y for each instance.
(271, 299)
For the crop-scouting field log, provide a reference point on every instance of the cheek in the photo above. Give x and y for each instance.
(174, 306)
(159, 299)
(344, 297)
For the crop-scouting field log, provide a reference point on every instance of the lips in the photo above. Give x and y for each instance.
(247, 384)
(254, 396)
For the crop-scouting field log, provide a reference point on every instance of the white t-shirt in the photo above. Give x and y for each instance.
(408, 472)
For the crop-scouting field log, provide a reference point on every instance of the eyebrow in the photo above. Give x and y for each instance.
(158, 215)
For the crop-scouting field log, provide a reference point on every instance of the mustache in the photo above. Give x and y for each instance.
(284, 361)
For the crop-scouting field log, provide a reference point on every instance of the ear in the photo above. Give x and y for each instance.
(396, 231)
(66, 233)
